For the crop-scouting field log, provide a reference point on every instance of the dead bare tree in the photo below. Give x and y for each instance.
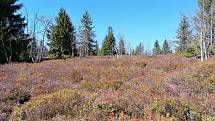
(40, 26)
(207, 28)
(46, 23)
(33, 43)
(206, 33)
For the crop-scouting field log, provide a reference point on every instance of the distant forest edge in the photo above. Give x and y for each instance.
(19, 43)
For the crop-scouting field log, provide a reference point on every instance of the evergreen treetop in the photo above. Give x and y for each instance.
(139, 49)
(86, 36)
(63, 37)
(109, 43)
(184, 34)
(166, 47)
(157, 49)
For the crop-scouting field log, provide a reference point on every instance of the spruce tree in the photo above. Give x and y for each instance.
(157, 49)
(109, 43)
(86, 36)
(121, 46)
(62, 37)
(166, 47)
(96, 51)
(13, 42)
(183, 34)
(139, 49)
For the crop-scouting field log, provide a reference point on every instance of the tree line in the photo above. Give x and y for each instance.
(65, 41)
(197, 39)
(19, 43)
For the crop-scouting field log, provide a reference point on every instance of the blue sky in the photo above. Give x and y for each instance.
(137, 20)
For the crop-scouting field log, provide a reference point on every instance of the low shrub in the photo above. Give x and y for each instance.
(10, 99)
(129, 110)
(5, 110)
(112, 85)
(172, 108)
(18, 96)
(74, 76)
(189, 52)
(64, 102)
(197, 81)
(115, 103)
(141, 64)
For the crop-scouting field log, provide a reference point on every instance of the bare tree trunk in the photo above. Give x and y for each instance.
(9, 61)
(201, 46)
(4, 49)
(212, 26)
(46, 24)
(203, 36)
(211, 34)
(205, 49)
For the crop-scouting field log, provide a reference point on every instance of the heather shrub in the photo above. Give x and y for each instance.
(159, 88)
(5, 110)
(10, 99)
(89, 85)
(18, 96)
(165, 64)
(197, 80)
(129, 110)
(112, 104)
(208, 118)
(22, 77)
(141, 64)
(112, 85)
(74, 76)
(172, 108)
(64, 102)
(110, 108)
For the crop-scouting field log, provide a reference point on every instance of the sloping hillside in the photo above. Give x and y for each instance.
(158, 88)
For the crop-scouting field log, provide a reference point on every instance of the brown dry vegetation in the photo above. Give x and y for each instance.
(158, 88)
